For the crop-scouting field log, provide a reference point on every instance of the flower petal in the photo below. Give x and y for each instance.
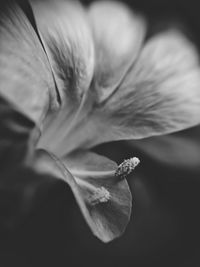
(118, 35)
(26, 79)
(68, 41)
(107, 215)
(160, 95)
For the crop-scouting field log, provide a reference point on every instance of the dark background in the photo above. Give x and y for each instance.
(165, 226)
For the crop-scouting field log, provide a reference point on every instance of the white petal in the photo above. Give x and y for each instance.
(67, 38)
(118, 35)
(68, 41)
(25, 75)
(160, 95)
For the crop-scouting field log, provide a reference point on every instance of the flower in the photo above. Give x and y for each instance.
(72, 78)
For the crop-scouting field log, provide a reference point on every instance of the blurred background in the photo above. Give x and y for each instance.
(165, 225)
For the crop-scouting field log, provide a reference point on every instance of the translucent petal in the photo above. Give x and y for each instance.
(106, 215)
(25, 76)
(118, 36)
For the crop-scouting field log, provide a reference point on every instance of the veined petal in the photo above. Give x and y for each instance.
(118, 36)
(68, 41)
(161, 94)
(104, 199)
(67, 38)
(26, 79)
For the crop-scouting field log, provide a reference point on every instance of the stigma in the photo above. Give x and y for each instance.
(126, 167)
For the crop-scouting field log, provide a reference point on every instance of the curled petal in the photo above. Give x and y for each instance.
(118, 36)
(25, 75)
(107, 198)
(104, 200)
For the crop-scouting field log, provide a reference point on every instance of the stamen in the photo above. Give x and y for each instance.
(100, 195)
(126, 167)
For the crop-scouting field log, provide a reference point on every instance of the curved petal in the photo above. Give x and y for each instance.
(160, 95)
(104, 200)
(26, 79)
(118, 36)
(67, 39)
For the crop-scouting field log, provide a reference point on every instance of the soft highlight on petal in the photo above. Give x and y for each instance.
(25, 75)
(67, 39)
(66, 35)
(118, 36)
(15, 136)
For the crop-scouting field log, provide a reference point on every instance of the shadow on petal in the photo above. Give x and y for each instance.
(179, 150)
(160, 94)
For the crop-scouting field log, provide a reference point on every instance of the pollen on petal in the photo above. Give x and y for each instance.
(100, 195)
(126, 167)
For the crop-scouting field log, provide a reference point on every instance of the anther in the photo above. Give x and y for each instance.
(126, 167)
(100, 195)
